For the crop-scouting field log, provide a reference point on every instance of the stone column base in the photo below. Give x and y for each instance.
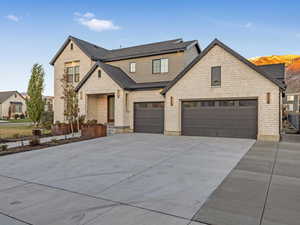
(122, 129)
(172, 133)
(275, 138)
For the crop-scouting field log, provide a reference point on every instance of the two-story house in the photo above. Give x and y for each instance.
(171, 87)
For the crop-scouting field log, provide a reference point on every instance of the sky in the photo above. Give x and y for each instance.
(33, 31)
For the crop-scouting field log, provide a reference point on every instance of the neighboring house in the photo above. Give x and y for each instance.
(11, 103)
(172, 87)
(48, 103)
(292, 107)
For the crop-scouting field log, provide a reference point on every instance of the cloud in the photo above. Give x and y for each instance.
(248, 25)
(88, 19)
(13, 18)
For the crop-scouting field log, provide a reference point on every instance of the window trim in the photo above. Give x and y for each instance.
(130, 68)
(213, 84)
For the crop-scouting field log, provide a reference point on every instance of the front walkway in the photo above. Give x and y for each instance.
(263, 189)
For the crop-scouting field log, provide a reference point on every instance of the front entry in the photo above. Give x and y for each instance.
(111, 108)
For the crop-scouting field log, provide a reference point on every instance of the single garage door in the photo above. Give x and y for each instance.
(149, 117)
(220, 118)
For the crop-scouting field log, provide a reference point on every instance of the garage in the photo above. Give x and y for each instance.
(149, 117)
(236, 118)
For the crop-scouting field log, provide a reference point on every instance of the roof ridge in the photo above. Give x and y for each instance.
(78, 39)
(152, 43)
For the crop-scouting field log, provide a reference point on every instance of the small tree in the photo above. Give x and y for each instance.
(34, 101)
(71, 107)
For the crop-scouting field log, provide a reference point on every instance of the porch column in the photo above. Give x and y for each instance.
(121, 117)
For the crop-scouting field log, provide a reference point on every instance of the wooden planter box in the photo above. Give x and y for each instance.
(61, 129)
(93, 131)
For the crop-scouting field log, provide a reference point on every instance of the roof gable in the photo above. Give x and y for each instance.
(115, 73)
(91, 50)
(230, 51)
(4, 95)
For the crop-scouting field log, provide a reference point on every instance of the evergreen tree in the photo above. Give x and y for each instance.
(34, 101)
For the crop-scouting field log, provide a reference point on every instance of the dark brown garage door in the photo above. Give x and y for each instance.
(149, 117)
(220, 118)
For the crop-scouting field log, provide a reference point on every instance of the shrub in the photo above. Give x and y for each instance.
(22, 116)
(47, 120)
(34, 141)
(3, 147)
(16, 116)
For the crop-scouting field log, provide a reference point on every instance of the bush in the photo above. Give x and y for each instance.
(22, 116)
(34, 141)
(3, 147)
(47, 120)
(16, 116)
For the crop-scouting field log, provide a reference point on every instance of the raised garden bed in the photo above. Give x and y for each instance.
(41, 146)
(93, 130)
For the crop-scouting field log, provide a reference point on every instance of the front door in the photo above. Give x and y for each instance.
(111, 108)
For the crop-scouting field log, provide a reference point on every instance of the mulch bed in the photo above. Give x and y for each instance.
(23, 138)
(42, 146)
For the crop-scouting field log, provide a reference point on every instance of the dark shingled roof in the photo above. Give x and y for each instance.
(276, 71)
(149, 49)
(97, 53)
(121, 78)
(232, 52)
(116, 74)
(6, 94)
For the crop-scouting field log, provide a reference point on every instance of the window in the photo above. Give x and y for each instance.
(76, 73)
(290, 98)
(244, 103)
(126, 102)
(226, 103)
(71, 46)
(207, 103)
(99, 73)
(216, 76)
(268, 98)
(72, 71)
(156, 66)
(164, 67)
(160, 66)
(291, 107)
(132, 67)
(16, 107)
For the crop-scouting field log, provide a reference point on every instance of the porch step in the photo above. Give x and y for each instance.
(295, 138)
(111, 130)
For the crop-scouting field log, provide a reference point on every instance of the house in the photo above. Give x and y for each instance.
(11, 103)
(172, 87)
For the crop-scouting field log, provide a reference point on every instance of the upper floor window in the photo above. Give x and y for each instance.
(160, 66)
(72, 71)
(132, 67)
(216, 76)
(71, 46)
(99, 73)
(290, 97)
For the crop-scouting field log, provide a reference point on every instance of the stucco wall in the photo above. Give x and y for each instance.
(5, 105)
(144, 67)
(67, 55)
(238, 80)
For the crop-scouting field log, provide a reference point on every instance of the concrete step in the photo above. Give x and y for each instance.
(290, 138)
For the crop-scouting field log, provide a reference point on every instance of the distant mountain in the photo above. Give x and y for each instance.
(292, 63)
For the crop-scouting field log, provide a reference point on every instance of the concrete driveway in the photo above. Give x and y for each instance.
(128, 179)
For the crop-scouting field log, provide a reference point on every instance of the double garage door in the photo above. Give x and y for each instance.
(220, 118)
(215, 118)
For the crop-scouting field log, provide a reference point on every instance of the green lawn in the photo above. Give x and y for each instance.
(19, 121)
(17, 131)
